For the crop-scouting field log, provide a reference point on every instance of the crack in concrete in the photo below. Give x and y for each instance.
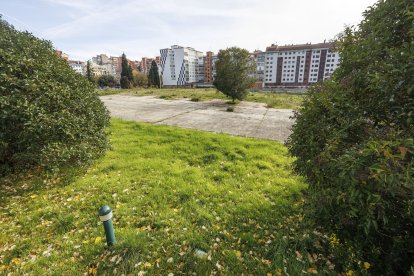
(261, 121)
(175, 116)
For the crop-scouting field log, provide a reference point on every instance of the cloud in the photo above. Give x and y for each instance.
(145, 26)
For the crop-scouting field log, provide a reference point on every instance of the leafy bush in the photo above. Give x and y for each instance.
(353, 139)
(49, 115)
(106, 81)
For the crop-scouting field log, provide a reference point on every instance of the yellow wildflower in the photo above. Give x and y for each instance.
(279, 272)
(349, 273)
(312, 270)
(333, 240)
(367, 265)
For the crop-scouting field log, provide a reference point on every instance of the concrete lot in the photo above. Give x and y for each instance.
(248, 119)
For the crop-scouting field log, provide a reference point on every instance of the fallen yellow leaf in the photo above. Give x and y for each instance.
(98, 240)
(16, 261)
(147, 264)
(238, 254)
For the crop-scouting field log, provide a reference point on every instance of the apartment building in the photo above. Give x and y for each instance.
(117, 65)
(299, 65)
(259, 58)
(145, 64)
(208, 67)
(78, 66)
(104, 69)
(62, 54)
(180, 66)
(101, 59)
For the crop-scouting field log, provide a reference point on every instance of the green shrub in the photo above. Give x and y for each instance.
(353, 139)
(230, 109)
(49, 115)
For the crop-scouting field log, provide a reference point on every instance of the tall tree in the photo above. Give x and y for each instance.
(126, 73)
(235, 72)
(89, 72)
(154, 76)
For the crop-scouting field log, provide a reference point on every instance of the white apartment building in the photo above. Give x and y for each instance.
(299, 65)
(180, 66)
(77, 66)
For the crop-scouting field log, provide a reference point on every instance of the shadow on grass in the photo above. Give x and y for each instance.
(34, 180)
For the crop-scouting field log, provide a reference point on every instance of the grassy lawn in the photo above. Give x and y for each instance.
(271, 99)
(173, 192)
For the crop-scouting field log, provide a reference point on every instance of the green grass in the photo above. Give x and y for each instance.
(271, 99)
(173, 191)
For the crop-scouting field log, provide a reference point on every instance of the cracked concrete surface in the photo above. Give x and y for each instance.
(248, 119)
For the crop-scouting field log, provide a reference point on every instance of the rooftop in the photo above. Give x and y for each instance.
(307, 46)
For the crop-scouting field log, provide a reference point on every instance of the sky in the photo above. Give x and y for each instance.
(140, 28)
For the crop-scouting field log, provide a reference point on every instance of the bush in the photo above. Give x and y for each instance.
(49, 115)
(353, 139)
(106, 81)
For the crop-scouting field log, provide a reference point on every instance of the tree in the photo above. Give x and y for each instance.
(89, 72)
(126, 73)
(235, 70)
(106, 81)
(353, 139)
(140, 79)
(50, 116)
(154, 76)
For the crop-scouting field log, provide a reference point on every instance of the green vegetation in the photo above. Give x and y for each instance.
(50, 116)
(89, 72)
(173, 191)
(126, 73)
(235, 68)
(354, 141)
(106, 81)
(154, 76)
(139, 78)
(271, 99)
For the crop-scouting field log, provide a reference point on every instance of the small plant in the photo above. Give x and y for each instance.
(195, 99)
(230, 109)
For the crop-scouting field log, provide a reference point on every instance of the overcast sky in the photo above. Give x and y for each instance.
(84, 28)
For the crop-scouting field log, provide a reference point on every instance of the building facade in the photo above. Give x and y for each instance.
(78, 66)
(299, 65)
(208, 67)
(259, 58)
(180, 66)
